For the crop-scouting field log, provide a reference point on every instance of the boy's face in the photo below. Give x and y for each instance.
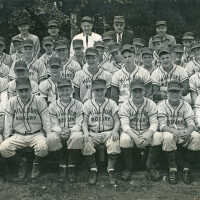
(92, 60)
(119, 27)
(53, 31)
(24, 28)
(48, 47)
(166, 60)
(174, 95)
(86, 27)
(65, 92)
(79, 51)
(187, 43)
(28, 51)
(99, 93)
(62, 53)
(161, 30)
(25, 93)
(147, 59)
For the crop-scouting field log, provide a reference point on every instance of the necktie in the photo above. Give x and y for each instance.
(119, 38)
(87, 40)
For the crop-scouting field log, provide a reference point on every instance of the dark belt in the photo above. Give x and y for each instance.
(27, 133)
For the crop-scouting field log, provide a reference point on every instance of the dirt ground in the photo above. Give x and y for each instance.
(139, 188)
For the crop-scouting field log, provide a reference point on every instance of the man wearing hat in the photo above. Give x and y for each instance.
(21, 71)
(99, 46)
(66, 116)
(166, 72)
(100, 126)
(17, 44)
(138, 116)
(26, 124)
(121, 79)
(176, 122)
(138, 44)
(87, 35)
(161, 30)
(23, 26)
(48, 88)
(69, 66)
(78, 52)
(177, 54)
(91, 71)
(116, 62)
(188, 40)
(120, 35)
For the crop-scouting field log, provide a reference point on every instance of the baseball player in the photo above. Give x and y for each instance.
(99, 46)
(21, 71)
(78, 52)
(91, 71)
(193, 66)
(138, 44)
(48, 46)
(121, 79)
(48, 88)
(177, 54)
(87, 35)
(116, 62)
(156, 46)
(26, 123)
(100, 126)
(66, 116)
(187, 40)
(161, 30)
(176, 122)
(166, 72)
(69, 66)
(37, 70)
(138, 116)
(17, 44)
(23, 27)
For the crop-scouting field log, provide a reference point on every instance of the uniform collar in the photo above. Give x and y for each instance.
(97, 105)
(136, 107)
(91, 75)
(28, 103)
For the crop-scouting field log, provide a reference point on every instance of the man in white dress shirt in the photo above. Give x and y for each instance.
(87, 35)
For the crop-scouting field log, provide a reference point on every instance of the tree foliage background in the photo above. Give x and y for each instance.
(182, 15)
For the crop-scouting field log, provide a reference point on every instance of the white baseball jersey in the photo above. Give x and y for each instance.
(6, 59)
(100, 117)
(122, 80)
(44, 60)
(83, 80)
(160, 77)
(26, 119)
(180, 117)
(68, 116)
(192, 67)
(48, 89)
(4, 70)
(112, 66)
(12, 88)
(194, 82)
(138, 118)
(3, 92)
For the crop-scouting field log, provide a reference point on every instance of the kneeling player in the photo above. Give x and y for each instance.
(176, 121)
(138, 116)
(26, 122)
(100, 126)
(66, 116)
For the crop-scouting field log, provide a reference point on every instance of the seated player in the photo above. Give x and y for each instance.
(48, 87)
(166, 72)
(176, 122)
(100, 126)
(66, 116)
(138, 116)
(91, 71)
(26, 124)
(21, 71)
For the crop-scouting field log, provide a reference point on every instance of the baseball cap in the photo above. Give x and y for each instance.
(87, 19)
(91, 51)
(107, 36)
(98, 84)
(137, 84)
(188, 36)
(139, 42)
(24, 21)
(161, 23)
(174, 85)
(47, 40)
(28, 43)
(53, 23)
(146, 50)
(195, 46)
(99, 44)
(126, 47)
(120, 19)
(114, 47)
(61, 44)
(64, 82)
(22, 83)
(20, 65)
(54, 61)
(156, 38)
(178, 48)
(2, 40)
(164, 50)
(77, 43)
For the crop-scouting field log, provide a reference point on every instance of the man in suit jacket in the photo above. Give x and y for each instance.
(120, 35)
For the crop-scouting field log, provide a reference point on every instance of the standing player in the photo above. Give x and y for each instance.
(176, 121)
(23, 27)
(121, 79)
(66, 116)
(100, 126)
(91, 71)
(138, 116)
(26, 123)
(165, 73)
(87, 35)
(21, 71)
(48, 87)
(69, 66)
